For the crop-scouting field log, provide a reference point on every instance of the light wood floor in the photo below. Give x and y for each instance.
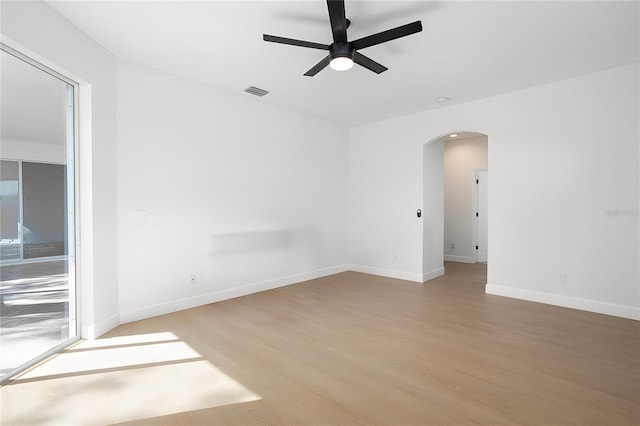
(355, 349)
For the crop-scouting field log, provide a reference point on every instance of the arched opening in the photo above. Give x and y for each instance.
(455, 196)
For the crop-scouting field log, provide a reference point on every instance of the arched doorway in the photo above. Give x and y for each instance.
(455, 183)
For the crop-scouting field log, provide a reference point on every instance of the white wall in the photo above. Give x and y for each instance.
(461, 159)
(382, 209)
(244, 195)
(561, 156)
(39, 32)
(433, 199)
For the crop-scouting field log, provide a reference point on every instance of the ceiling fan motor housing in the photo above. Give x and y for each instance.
(341, 49)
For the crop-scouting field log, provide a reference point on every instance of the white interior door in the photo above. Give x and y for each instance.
(482, 225)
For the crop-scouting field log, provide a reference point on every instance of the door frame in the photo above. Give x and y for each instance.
(474, 210)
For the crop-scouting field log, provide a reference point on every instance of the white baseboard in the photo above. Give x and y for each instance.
(389, 273)
(432, 274)
(93, 331)
(218, 296)
(461, 259)
(613, 309)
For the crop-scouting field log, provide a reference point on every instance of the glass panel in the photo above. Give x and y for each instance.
(9, 210)
(44, 210)
(37, 303)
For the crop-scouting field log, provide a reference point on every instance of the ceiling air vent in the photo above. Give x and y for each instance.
(256, 91)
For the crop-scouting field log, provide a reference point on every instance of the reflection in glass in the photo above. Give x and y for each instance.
(44, 206)
(9, 210)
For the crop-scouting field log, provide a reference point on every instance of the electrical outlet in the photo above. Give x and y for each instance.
(453, 246)
(192, 279)
(563, 278)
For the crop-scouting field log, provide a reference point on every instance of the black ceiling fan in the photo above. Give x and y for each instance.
(343, 53)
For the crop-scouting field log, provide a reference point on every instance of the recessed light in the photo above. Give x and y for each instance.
(453, 135)
(442, 99)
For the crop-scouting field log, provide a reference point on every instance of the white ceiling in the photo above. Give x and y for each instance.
(468, 50)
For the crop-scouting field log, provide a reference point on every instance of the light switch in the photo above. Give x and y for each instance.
(140, 216)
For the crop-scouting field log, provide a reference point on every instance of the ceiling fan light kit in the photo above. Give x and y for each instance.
(341, 56)
(341, 63)
(343, 53)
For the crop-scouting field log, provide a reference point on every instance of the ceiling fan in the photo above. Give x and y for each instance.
(343, 53)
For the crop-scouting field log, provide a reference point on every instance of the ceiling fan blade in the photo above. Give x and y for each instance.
(392, 34)
(368, 63)
(318, 67)
(338, 20)
(294, 42)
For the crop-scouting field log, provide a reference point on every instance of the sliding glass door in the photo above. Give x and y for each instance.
(37, 212)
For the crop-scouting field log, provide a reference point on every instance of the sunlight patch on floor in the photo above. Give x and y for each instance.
(119, 379)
